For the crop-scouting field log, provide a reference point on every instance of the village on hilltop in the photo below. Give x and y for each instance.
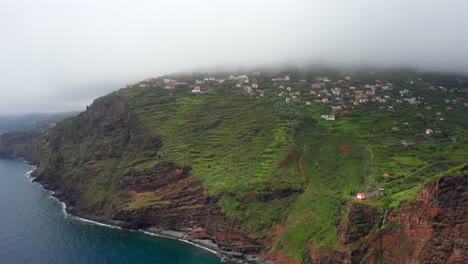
(419, 112)
(340, 96)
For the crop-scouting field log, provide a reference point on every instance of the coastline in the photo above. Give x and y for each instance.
(204, 244)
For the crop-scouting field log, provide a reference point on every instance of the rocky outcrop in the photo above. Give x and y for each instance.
(354, 229)
(358, 222)
(183, 206)
(433, 229)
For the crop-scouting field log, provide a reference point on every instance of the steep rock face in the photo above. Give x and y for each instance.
(358, 223)
(182, 205)
(354, 230)
(433, 229)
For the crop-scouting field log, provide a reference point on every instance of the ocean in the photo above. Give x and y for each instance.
(34, 228)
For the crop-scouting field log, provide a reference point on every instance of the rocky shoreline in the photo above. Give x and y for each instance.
(205, 244)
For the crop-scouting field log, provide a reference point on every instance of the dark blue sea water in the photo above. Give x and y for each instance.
(35, 229)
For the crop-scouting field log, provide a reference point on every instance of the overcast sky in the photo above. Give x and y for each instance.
(58, 55)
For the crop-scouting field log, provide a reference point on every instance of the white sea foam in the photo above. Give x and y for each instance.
(191, 243)
(92, 222)
(64, 210)
(156, 235)
(178, 239)
(64, 206)
(28, 174)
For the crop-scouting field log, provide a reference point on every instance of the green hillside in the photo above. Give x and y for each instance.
(288, 172)
(265, 154)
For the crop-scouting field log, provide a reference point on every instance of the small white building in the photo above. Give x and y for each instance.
(196, 89)
(329, 117)
(361, 196)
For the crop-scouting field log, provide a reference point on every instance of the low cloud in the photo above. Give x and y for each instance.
(59, 55)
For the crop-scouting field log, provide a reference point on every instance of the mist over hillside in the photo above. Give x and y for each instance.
(61, 55)
(35, 121)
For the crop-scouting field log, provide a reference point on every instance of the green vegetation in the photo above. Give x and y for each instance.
(280, 169)
(238, 147)
(250, 151)
(243, 149)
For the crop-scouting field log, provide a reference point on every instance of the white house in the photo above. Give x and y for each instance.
(196, 89)
(329, 117)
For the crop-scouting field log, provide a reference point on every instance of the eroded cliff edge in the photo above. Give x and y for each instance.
(432, 229)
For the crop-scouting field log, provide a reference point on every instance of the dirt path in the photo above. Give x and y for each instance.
(301, 163)
(372, 193)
